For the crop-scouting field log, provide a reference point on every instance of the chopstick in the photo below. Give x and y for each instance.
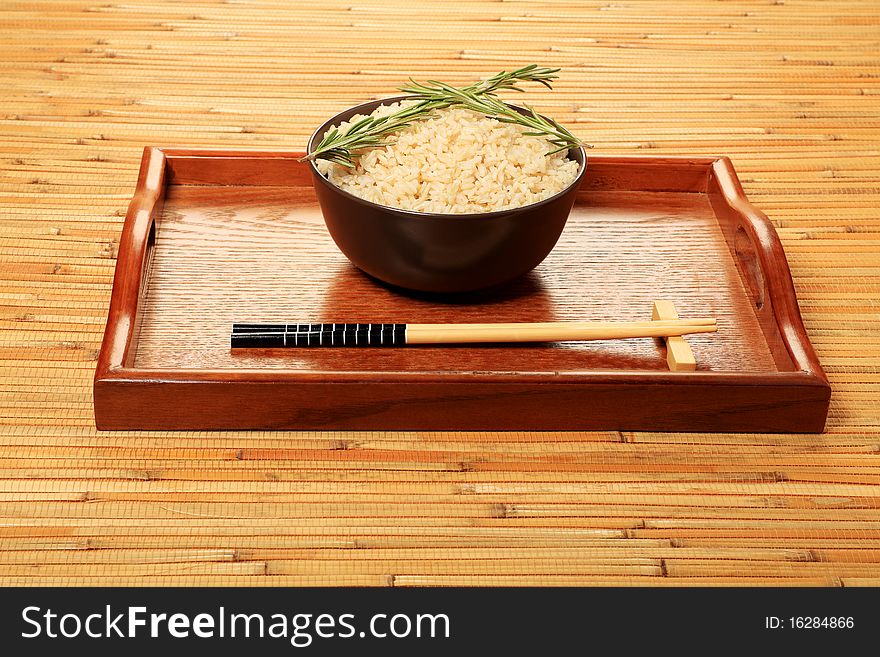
(396, 335)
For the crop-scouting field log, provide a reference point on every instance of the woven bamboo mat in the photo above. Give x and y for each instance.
(789, 89)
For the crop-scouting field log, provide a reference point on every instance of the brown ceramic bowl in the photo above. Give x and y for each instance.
(440, 252)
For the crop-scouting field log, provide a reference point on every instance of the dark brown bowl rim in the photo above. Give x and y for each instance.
(582, 166)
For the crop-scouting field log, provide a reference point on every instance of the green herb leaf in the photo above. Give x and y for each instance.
(370, 132)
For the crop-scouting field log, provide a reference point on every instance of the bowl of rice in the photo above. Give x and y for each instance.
(457, 202)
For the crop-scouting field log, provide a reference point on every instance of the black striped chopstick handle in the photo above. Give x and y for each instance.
(265, 336)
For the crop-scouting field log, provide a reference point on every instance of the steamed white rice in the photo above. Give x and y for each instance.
(460, 162)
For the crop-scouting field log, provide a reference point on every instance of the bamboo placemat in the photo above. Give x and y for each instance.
(789, 89)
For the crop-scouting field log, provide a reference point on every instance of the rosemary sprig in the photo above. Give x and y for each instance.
(488, 104)
(370, 132)
(505, 81)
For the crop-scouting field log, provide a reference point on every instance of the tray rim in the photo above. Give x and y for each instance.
(120, 331)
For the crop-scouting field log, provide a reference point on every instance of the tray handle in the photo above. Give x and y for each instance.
(132, 264)
(763, 267)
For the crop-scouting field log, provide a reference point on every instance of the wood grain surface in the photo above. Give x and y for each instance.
(227, 254)
(789, 90)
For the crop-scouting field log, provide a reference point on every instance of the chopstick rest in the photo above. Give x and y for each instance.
(679, 356)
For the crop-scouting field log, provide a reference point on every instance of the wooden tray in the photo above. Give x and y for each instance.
(213, 237)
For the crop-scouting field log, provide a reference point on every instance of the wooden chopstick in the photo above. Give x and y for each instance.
(357, 335)
(551, 331)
